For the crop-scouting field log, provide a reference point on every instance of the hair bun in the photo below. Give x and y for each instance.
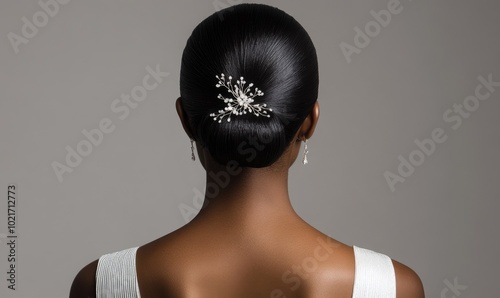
(252, 123)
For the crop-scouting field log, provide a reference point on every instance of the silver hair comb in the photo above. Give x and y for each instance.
(242, 100)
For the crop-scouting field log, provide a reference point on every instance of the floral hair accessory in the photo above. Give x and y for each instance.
(242, 100)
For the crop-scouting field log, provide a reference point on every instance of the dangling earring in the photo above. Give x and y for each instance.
(192, 150)
(304, 161)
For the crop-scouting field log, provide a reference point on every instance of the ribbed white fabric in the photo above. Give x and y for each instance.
(374, 275)
(116, 275)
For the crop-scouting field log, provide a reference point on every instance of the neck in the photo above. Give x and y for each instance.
(248, 196)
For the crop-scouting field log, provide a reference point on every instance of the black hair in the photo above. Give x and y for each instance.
(270, 49)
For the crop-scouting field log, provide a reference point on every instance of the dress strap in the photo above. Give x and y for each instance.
(374, 275)
(116, 275)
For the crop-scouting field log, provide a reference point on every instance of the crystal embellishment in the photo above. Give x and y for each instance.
(241, 101)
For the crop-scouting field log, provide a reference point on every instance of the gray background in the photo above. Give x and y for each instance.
(441, 221)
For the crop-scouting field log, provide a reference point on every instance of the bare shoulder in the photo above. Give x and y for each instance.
(408, 283)
(84, 283)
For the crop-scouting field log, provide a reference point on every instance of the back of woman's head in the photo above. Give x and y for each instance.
(266, 47)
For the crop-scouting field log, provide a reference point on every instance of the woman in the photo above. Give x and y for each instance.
(249, 85)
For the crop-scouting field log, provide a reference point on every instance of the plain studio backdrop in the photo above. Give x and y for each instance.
(404, 160)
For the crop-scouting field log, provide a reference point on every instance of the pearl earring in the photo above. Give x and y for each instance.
(304, 161)
(192, 150)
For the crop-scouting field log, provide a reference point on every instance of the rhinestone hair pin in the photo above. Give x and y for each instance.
(242, 100)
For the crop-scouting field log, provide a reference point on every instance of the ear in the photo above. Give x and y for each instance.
(307, 128)
(183, 117)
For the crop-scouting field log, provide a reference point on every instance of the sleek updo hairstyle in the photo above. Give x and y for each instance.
(270, 49)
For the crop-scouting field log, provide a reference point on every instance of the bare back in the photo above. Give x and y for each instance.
(293, 260)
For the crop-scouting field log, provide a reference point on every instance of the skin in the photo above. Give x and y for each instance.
(248, 242)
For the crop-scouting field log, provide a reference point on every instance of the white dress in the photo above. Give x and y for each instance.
(374, 275)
